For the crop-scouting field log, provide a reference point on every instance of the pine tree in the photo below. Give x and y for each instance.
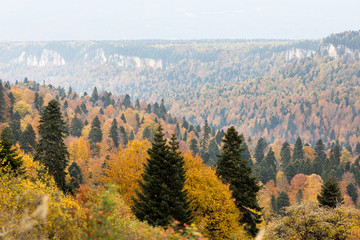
(15, 127)
(76, 176)
(127, 102)
(268, 167)
(162, 110)
(114, 133)
(206, 136)
(352, 192)
(76, 127)
(2, 103)
(177, 131)
(131, 136)
(94, 95)
(38, 102)
(9, 159)
(235, 171)
(83, 108)
(66, 105)
(213, 152)
(194, 147)
(282, 201)
(51, 149)
(147, 134)
(123, 118)
(285, 154)
(77, 110)
(28, 142)
(162, 198)
(330, 194)
(298, 150)
(259, 150)
(95, 134)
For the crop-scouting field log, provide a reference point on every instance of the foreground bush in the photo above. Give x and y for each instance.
(308, 221)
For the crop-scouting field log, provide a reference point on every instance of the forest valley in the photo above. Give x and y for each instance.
(99, 166)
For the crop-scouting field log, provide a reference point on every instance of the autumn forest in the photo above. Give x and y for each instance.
(249, 137)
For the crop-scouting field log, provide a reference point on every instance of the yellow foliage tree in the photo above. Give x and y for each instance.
(125, 167)
(214, 210)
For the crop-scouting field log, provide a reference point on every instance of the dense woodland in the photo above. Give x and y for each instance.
(261, 87)
(103, 146)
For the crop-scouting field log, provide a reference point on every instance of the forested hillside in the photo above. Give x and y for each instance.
(271, 89)
(110, 138)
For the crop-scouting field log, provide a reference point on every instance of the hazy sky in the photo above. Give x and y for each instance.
(175, 19)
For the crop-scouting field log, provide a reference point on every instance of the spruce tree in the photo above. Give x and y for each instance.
(131, 136)
(28, 142)
(83, 108)
(235, 171)
(268, 167)
(162, 198)
(9, 159)
(127, 102)
(206, 136)
(51, 150)
(123, 118)
(95, 134)
(114, 133)
(147, 134)
(194, 147)
(282, 201)
(320, 157)
(76, 176)
(15, 127)
(259, 150)
(213, 152)
(94, 95)
(298, 150)
(76, 127)
(352, 192)
(285, 154)
(2, 103)
(330, 194)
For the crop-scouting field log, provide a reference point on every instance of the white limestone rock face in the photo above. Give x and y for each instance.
(47, 58)
(298, 53)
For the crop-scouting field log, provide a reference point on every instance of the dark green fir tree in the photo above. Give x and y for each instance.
(114, 133)
(76, 127)
(10, 160)
(28, 140)
(282, 201)
(162, 198)
(268, 167)
(95, 134)
(147, 134)
(235, 171)
(285, 154)
(194, 146)
(298, 150)
(259, 150)
(330, 194)
(51, 150)
(94, 95)
(352, 192)
(76, 177)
